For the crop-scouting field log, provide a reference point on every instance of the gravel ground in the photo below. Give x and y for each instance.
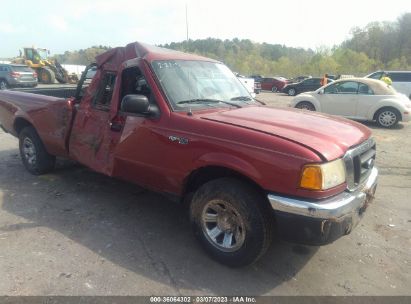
(75, 232)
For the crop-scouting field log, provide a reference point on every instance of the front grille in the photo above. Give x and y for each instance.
(358, 162)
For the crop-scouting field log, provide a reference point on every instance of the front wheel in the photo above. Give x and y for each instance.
(305, 105)
(232, 221)
(274, 89)
(46, 76)
(291, 92)
(33, 153)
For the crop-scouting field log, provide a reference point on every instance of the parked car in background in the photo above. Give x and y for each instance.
(299, 79)
(249, 84)
(309, 84)
(257, 87)
(273, 84)
(256, 77)
(359, 99)
(17, 75)
(401, 80)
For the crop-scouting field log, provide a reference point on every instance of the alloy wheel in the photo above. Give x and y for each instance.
(387, 118)
(223, 226)
(29, 151)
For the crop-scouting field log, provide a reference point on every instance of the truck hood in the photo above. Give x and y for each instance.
(329, 136)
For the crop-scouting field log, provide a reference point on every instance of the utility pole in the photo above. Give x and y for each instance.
(186, 23)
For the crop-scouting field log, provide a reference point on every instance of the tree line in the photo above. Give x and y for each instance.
(379, 45)
(83, 56)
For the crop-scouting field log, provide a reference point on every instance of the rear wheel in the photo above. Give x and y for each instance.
(305, 105)
(33, 153)
(232, 221)
(274, 89)
(291, 91)
(3, 84)
(388, 117)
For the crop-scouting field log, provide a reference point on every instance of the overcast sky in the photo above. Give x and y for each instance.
(71, 25)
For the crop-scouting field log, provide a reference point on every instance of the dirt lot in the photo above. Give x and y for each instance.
(75, 232)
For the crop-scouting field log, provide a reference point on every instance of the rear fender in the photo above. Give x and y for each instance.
(386, 103)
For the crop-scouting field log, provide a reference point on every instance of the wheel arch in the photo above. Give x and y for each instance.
(20, 123)
(314, 103)
(374, 116)
(202, 175)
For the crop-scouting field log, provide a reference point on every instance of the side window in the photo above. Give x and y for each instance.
(331, 89)
(348, 87)
(317, 81)
(134, 82)
(400, 77)
(102, 99)
(376, 75)
(29, 54)
(363, 89)
(308, 81)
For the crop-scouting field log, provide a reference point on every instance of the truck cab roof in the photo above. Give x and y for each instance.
(114, 58)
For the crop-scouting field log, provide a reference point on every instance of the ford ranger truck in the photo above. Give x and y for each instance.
(183, 125)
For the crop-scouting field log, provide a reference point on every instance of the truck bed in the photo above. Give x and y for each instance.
(50, 115)
(60, 92)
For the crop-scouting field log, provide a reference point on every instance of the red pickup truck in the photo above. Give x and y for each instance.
(183, 125)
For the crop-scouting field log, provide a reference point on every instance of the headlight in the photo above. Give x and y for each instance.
(324, 176)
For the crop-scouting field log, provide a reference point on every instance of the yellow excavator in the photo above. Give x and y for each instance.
(47, 70)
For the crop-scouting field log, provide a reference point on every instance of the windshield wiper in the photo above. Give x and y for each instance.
(242, 98)
(247, 98)
(207, 100)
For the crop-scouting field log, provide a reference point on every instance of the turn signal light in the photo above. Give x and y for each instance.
(311, 177)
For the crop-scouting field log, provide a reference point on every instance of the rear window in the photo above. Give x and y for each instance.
(17, 68)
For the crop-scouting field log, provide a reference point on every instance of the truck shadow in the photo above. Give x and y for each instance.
(136, 229)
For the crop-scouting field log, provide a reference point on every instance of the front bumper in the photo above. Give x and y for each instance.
(406, 116)
(324, 221)
(21, 83)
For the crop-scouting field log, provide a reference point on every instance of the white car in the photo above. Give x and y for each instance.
(401, 80)
(248, 83)
(359, 99)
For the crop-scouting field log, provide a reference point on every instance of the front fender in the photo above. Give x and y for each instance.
(228, 161)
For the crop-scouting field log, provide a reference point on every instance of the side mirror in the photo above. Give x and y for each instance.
(321, 91)
(137, 104)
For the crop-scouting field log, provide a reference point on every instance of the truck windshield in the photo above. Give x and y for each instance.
(200, 84)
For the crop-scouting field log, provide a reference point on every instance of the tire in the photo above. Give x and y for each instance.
(33, 153)
(3, 84)
(274, 89)
(305, 105)
(388, 117)
(232, 221)
(291, 92)
(47, 76)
